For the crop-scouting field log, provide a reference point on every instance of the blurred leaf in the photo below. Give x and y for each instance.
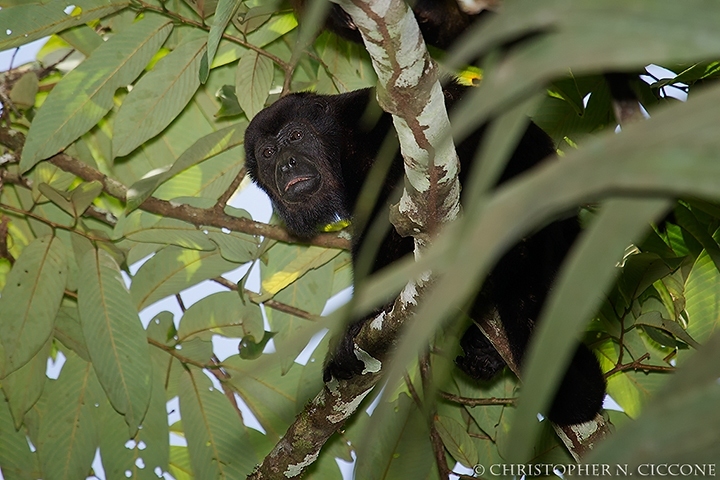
(588, 268)
(401, 449)
(456, 440)
(23, 92)
(86, 94)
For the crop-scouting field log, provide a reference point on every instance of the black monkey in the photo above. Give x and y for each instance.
(311, 154)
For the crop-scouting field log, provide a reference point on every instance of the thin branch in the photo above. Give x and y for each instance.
(228, 193)
(50, 223)
(474, 402)
(271, 303)
(4, 250)
(638, 365)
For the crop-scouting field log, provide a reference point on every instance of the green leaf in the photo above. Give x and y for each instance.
(222, 313)
(82, 38)
(401, 449)
(275, 398)
(86, 94)
(456, 440)
(69, 331)
(223, 13)
(203, 149)
(23, 92)
(678, 425)
(31, 299)
(23, 387)
(229, 104)
(148, 451)
(114, 336)
(36, 20)
(218, 443)
(288, 269)
(158, 97)
(702, 298)
(235, 246)
(173, 269)
(18, 462)
(143, 227)
(253, 80)
(68, 435)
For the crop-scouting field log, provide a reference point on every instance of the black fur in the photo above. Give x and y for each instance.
(312, 153)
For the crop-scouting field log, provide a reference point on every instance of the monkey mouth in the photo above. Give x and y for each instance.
(300, 187)
(296, 180)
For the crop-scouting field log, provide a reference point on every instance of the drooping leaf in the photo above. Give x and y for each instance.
(401, 449)
(31, 299)
(253, 80)
(23, 92)
(702, 298)
(86, 94)
(143, 227)
(173, 269)
(142, 456)
(300, 261)
(219, 444)
(223, 14)
(158, 97)
(456, 440)
(114, 336)
(18, 462)
(222, 313)
(204, 148)
(67, 437)
(24, 386)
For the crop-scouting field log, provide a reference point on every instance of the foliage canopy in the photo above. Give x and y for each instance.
(120, 150)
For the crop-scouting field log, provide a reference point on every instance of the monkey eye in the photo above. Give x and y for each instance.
(296, 135)
(268, 151)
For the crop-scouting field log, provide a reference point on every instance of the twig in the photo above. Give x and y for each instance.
(274, 304)
(473, 402)
(638, 365)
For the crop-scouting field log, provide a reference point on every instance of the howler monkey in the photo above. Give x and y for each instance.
(311, 154)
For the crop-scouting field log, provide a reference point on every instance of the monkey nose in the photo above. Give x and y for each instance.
(288, 165)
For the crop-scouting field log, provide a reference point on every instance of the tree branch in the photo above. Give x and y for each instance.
(196, 216)
(409, 89)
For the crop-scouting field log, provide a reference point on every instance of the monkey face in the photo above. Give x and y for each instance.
(291, 153)
(287, 162)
